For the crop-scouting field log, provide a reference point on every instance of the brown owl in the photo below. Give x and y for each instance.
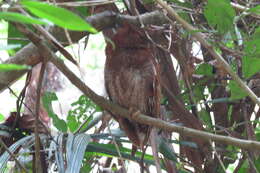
(131, 79)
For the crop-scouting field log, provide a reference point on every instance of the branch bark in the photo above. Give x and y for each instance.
(29, 55)
(140, 118)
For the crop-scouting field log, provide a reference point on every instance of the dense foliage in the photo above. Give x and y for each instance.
(208, 62)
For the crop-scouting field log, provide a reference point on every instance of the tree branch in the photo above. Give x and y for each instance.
(118, 110)
(30, 55)
(200, 37)
(141, 118)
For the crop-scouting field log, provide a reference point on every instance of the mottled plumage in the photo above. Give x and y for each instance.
(131, 79)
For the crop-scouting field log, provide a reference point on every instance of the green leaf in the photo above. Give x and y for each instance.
(86, 168)
(251, 60)
(60, 124)
(198, 92)
(72, 123)
(47, 100)
(10, 46)
(82, 111)
(13, 32)
(110, 150)
(257, 165)
(59, 16)
(244, 168)
(204, 69)
(252, 47)
(205, 117)
(250, 66)
(220, 14)
(2, 117)
(255, 10)
(17, 17)
(236, 91)
(11, 67)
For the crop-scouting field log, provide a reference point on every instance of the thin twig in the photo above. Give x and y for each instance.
(33, 113)
(118, 110)
(144, 119)
(84, 123)
(49, 37)
(218, 157)
(117, 148)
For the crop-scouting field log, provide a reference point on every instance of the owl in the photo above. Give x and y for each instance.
(131, 79)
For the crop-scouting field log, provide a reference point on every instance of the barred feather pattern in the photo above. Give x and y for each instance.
(131, 80)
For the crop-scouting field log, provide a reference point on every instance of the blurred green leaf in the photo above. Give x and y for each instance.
(257, 165)
(86, 168)
(11, 67)
(59, 16)
(15, 37)
(47, 100)
(250, 66)
(2, 117)
(83, 11)
(204, 69)
(255, 10)
(198, 92)
(252, 47)
(82, 111)
(110, 150)
(220, 14)
(73, 124)
(236, 91)
(17, 17)
(60, 124)
(244, 168)
(251, 60)
(205, 117)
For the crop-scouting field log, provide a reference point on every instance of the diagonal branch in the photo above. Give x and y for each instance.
(141, 118)
(199, 36)
(29, 55)
(118, 110)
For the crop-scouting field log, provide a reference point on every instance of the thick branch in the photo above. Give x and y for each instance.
(107, 105)
(30, 55)
(118, 110)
